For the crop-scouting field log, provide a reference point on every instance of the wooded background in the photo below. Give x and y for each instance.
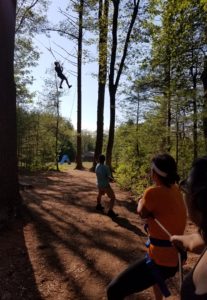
(152, 57)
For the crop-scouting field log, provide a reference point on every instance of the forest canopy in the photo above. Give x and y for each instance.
(156, 75)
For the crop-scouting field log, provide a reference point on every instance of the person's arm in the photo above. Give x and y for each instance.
(191, 242)
(142, 210)
(111, 179)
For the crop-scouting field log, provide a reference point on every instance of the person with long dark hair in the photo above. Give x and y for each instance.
(163, 202)
(194, 286)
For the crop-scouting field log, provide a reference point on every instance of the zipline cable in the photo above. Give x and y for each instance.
(73, 103)
(52, 53)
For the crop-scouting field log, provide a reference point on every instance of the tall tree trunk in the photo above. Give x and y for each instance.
(137, 126)
(169, 119)
(114, 82)
(9, 192)
(168, 96)
(112, 87)
(112, 126)
(177, 135)
(103, 34)
(57, 125)
(204, 80)
(79, 165)
(195, 117)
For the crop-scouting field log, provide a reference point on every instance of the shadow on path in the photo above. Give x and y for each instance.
(123, 222)
(16, 274)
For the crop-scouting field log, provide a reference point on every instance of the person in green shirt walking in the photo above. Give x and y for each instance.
(104, 177)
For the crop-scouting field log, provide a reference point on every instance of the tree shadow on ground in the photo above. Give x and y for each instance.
(80, 251)
(130, 205)
(17, 279)
(76, 236)
(123, 222)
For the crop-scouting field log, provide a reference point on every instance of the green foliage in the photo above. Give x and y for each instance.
(30, 19)
(37, 141)
(88, 141)
(129, 159)
(164, 102)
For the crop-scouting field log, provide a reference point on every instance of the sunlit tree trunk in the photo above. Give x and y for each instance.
(57, 104)
(195, 117)
(204, 80)
(114, 81)
(79, 88)
(103, 33)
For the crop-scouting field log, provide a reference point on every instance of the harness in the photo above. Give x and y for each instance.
(182, 256)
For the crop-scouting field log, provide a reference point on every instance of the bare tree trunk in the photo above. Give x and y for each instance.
(204, 80)
(57, 125)
(8, 146)
(168, 97)
(103, 34)
(137, 125)
(195, 117)
(177, 135)
(114, 82)
(79, 165)
(111, 128)
(169, 118)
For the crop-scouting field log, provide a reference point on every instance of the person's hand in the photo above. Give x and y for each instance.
(111, 179)
(178, 241)
(140, 197)
(192, 242)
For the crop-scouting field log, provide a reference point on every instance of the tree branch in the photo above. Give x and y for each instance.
(25, 14)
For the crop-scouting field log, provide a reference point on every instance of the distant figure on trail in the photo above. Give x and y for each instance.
(59, 71)
(161, 202)
(103, 175)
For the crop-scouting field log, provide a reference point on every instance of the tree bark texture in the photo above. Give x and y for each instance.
(9, 192)
(114, 82)
(79, 165)
(103, 34)
(204, 80)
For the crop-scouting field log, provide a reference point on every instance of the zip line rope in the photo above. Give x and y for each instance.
(74, 94)
(71, 72)
(52, 53)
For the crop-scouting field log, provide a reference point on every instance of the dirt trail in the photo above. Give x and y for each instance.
(65, 249)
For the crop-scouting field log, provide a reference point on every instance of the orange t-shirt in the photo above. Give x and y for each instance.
(168, 207)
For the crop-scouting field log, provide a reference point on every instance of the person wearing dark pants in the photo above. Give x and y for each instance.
(136, 278)
(194, 286)
(161, 202)
(59, 71)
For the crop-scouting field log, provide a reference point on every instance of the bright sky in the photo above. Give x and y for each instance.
(89, 83)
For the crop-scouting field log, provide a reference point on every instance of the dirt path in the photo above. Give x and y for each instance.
(66, 250)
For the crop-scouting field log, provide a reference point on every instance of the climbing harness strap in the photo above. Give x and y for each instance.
(158, 242)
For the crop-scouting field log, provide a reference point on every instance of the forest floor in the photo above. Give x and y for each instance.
(63, 248)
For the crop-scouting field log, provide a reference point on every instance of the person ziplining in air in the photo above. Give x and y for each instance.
(59, 71)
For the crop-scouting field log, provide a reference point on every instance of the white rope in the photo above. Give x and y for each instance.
(163, 228)
(74, 94)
